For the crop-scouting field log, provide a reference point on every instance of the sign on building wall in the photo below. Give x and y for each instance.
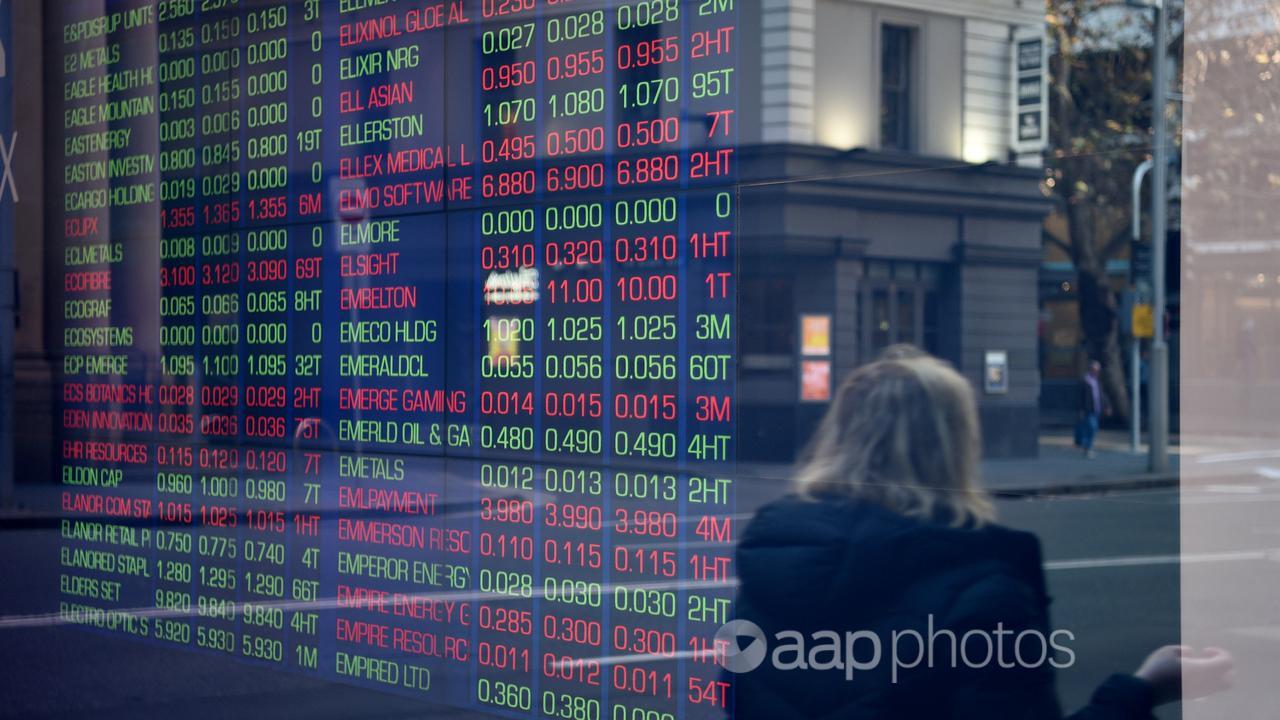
(1142, 322)
(1030, 91)
(995, 374)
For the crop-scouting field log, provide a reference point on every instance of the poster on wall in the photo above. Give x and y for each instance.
(815, 381)
(815, 335)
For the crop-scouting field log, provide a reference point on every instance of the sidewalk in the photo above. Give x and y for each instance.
(1060, 468)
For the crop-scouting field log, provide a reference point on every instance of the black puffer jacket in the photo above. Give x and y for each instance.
(848, 566)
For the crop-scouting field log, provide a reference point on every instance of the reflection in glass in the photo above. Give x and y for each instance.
(490, 584)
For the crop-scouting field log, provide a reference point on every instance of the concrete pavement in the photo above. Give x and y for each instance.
(1060, 469)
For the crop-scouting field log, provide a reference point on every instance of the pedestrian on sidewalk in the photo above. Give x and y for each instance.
(889, 538)
(1093, 405)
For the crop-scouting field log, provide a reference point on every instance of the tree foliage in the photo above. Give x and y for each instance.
(1099, 132)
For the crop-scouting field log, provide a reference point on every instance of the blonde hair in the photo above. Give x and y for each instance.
(902, 433)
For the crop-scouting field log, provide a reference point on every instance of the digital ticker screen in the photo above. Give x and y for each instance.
(398, 340)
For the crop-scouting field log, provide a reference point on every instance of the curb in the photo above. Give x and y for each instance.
(1161, 481)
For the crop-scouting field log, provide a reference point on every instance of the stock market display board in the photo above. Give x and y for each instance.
(398, 340)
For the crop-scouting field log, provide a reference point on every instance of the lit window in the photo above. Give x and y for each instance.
(895, 87)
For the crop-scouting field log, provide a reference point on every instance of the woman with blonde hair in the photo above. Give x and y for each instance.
(888, 551)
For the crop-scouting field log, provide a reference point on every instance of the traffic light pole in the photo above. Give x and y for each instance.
(1135, 350)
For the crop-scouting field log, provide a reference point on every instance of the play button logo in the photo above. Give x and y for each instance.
(744, 644)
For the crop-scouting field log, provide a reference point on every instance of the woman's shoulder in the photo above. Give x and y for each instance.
(1007, 585)
(850, 558)
(798, 519)
(799, 512)
(871, 535)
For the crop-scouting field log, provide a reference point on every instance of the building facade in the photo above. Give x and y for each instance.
(894, 194)
(890, 165)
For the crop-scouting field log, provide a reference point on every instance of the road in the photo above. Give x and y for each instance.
(1114, 583)
(1111, 559)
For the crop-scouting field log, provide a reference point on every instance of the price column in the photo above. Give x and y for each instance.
(177, 95)
(174, 545)
(260, 89)
(219, 314)
(571, 621)
(505, 641)
(217, 548)
(647, 216)
(644, 611)
(508, 343)
(576, 309)
(262, 564)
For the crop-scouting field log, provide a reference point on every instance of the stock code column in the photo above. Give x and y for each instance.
(385, 131)
(397, 559)
(105, 91)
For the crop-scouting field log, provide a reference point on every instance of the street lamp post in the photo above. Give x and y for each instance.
(1159, 385)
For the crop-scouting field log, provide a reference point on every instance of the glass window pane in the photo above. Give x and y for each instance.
(881, 321)
(930, 334)
(905, 270)
(906, 316)
(550, 264)
(895, 86)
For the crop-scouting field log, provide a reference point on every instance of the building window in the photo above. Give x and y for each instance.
(770, 304)
(900, 304)
(895, 87)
